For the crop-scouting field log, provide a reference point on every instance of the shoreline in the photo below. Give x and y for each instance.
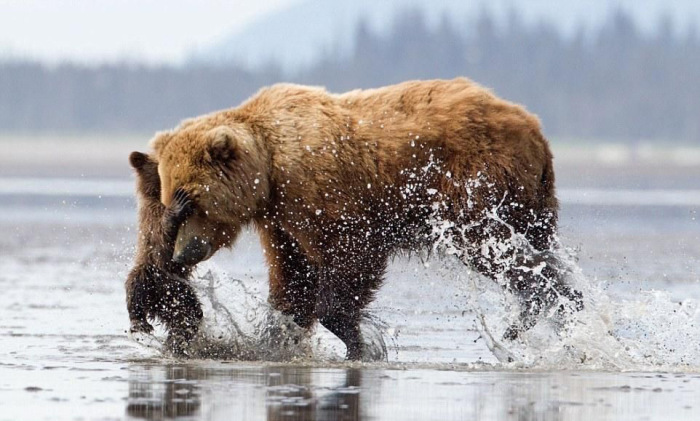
(576, 164)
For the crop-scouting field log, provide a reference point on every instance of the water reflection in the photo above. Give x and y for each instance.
(291, 393)
(221, 391)
(287, 400)
(164, 392)
(159, 392)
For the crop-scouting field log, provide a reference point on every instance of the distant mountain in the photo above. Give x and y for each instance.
(302, 33)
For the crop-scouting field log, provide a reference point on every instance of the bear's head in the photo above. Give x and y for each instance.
(222, 171)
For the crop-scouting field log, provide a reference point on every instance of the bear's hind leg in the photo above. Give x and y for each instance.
(530, 270)
(538, 277)
(539, 283)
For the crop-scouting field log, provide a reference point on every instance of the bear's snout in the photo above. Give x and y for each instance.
(191, 252)
(191, 246)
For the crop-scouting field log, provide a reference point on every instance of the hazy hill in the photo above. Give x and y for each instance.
(299, 35)
(614, 81)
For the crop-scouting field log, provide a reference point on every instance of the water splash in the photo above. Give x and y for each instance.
(644, 332)
(239, 325)
(647, 331)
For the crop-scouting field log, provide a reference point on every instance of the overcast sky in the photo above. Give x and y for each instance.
(108, 30)
(169, 31)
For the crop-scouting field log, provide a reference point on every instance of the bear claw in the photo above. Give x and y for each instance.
(140, 326)
(179, 210)
(181, 205)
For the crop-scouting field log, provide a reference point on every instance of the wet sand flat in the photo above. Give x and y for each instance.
(66, 355)
(212, 390)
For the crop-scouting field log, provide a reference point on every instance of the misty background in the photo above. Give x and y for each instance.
(600, 71)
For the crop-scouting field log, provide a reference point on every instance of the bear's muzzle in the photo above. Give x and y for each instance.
(190, 246)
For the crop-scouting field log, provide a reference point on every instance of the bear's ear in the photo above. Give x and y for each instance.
(138, 160)
(222, 144)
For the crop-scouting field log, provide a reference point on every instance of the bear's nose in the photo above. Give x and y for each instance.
(191, 252)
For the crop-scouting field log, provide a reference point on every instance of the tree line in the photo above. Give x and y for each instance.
(612, 83)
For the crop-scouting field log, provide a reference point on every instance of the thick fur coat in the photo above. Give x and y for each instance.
(336, 184)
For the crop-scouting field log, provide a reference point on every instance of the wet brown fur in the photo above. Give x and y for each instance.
(157, 287)
(336, 184)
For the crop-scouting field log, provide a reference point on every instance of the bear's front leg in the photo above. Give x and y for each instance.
(140, 296)
(346, 326)
(293, 277)
(180, 311)
(156, 294)
(347, 286)
(156, 287)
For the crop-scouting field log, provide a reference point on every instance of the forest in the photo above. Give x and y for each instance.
(610, 83)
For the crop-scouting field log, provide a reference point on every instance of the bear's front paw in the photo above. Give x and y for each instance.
(140, 326)
(177, 212)
(511, 333)
(181, 207)
(176, 344)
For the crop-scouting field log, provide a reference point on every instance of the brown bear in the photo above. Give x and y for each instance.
(157, 287)
(336, 184)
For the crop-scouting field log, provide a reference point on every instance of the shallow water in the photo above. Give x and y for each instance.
(66, 355)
